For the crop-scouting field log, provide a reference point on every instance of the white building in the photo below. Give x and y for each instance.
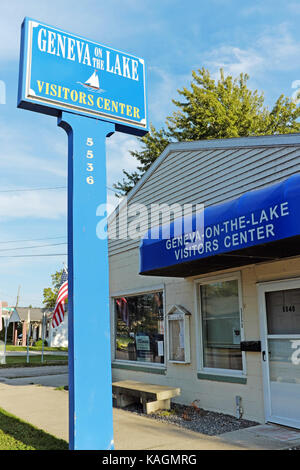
(236, 290)
(58, 337)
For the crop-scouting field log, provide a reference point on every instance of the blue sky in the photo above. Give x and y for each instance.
(174, 37)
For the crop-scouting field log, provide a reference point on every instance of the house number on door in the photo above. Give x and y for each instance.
(288, 308)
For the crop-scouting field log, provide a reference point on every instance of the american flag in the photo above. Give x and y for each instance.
(59, 310)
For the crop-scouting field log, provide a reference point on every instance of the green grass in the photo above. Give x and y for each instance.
(35, 360)
(63, 387)
(32, 364)
(166, 413)
(16, 434)
(10, 347)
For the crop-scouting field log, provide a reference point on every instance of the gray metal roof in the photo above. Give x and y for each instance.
(206, 172)
(36, 314)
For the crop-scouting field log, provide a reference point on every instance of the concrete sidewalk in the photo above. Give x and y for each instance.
(47, 409)
(150, 434)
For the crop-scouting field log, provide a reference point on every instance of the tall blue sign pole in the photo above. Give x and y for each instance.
(93, 90)
(90, 417)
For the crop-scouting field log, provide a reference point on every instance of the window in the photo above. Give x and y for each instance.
(283, 312)
(140, 328)
(221, 326)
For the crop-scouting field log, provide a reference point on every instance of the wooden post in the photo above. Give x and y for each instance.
(24, 333)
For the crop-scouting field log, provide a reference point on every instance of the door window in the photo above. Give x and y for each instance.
(283, 312)
(221, 327)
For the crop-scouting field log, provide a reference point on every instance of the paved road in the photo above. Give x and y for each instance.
(47, 408)
(14, 372)
(51, 376)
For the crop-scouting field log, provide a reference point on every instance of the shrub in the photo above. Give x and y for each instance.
(39, 343)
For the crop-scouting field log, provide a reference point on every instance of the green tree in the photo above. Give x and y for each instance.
(213, 109)
(50, 293)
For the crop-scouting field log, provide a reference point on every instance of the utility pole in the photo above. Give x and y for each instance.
(18, 296)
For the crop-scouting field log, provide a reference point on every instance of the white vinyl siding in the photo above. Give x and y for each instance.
(211, 176)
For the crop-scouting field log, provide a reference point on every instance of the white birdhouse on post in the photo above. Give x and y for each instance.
(179, 335)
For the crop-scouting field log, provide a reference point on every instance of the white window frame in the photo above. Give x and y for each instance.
(236, 276)
(134, 293)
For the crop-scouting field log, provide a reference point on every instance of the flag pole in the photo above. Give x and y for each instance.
(6, 323)
(43, 334)
(28, 333)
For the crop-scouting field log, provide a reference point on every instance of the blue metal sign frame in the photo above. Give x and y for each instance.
(114, 102)
(62, 71)
(90, 391)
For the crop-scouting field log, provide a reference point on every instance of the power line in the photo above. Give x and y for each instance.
(48, 189)
(31, 189)
(31, 256)
(33, 239)
(114, 190)
(34, 246)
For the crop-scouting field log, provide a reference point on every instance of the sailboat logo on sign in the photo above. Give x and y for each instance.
(92, 83)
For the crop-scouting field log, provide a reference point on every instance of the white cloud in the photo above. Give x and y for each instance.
(294, 7)
(30, 163)
(19, 153)
(234, 60)
(105, 23)
(33, 204)
(280, 49)
(164, 89)
(253, 10)
(13, 13)
(118, 156)
(275, 50)
(20, 156)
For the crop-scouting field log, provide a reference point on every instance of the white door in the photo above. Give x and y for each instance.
(280, 333)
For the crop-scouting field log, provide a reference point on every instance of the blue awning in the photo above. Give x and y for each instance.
(258, 226)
